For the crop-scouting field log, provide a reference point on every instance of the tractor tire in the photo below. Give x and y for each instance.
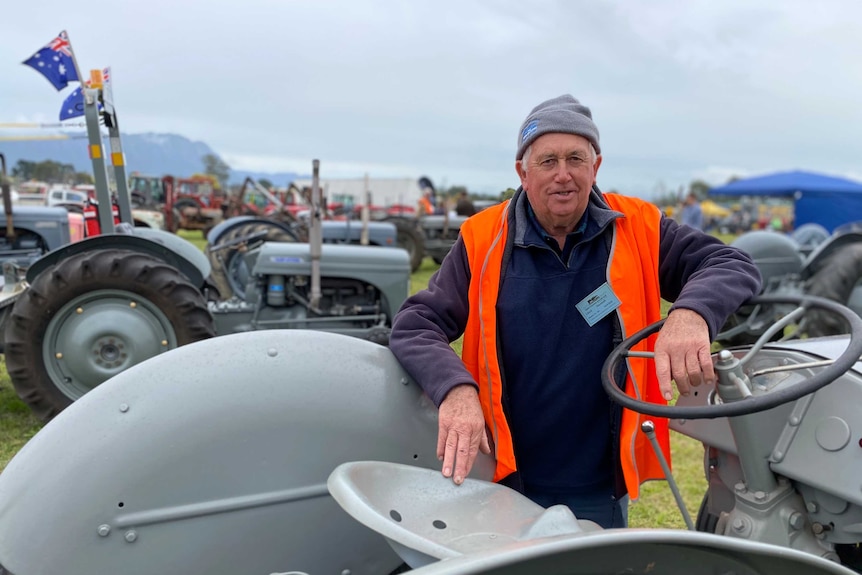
(92, 316)
(177, 218)
(705, 522)
(410, 239)
(229, 273)
(835, 280)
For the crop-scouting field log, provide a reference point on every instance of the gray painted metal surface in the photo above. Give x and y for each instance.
(483, 527)
(426, 517)
(219, 467)
(171, 249)
(388, 269)
(653, 551)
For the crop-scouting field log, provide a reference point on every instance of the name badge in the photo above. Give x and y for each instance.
(598, 304)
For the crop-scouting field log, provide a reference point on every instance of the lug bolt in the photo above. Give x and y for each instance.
(797, 520)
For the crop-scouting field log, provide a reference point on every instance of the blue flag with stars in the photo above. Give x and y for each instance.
(73, 106)
(55, 62)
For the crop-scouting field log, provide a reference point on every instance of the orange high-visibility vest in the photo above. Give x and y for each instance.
(632, 273)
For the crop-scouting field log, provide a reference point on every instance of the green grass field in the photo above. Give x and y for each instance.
(655, 508)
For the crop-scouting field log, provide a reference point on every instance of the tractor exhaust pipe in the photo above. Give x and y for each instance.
(315, 236)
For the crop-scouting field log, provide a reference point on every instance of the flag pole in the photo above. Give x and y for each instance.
(74, 58)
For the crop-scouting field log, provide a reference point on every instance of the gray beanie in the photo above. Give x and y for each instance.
(563, 114)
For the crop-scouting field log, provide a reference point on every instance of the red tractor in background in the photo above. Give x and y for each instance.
(195, 203)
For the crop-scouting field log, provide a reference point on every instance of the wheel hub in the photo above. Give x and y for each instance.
(101, 334)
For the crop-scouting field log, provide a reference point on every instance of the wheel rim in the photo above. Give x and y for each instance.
(99, 334)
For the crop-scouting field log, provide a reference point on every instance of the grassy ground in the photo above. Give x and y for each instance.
(656, 507)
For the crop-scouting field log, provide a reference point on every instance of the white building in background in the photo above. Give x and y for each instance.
(384, 191)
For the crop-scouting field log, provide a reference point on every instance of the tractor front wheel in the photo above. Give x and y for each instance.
(93, 315)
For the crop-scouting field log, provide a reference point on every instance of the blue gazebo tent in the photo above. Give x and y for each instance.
(819, 199)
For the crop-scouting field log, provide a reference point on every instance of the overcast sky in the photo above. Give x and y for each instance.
(680, 90)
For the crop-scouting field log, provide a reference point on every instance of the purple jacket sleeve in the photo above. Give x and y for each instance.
(428, 321)
(699, 272)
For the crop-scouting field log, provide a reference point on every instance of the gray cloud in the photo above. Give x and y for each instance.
(679, 90)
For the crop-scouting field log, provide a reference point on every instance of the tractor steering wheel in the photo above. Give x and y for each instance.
(752, 403)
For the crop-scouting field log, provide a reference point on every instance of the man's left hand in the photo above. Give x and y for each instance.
(682, 353)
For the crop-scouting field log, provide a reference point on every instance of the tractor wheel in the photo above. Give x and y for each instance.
(409, 238)
(835, 280)
(705, 521)
(229, 272)
(177, 218)
(93, 315)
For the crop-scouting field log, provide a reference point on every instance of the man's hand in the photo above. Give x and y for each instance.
(461, 432)
(682, 353)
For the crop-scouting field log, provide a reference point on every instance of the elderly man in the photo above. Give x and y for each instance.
(542, 287)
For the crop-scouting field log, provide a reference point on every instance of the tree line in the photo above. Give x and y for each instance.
(50, 172)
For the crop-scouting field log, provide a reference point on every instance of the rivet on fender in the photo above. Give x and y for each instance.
(79, 310)
(164, 343)
(59, 355)
(133, 305)
(272, 352)
(124, 407)
(130, 536)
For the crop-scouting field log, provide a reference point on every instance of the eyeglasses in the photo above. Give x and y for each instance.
(573, 162)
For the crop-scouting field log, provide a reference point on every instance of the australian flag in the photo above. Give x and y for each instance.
(73, 105)
(55, 62)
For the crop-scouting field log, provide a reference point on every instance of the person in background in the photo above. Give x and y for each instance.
(542, 287)
(691, 213)
(465, 206)
(426, 206)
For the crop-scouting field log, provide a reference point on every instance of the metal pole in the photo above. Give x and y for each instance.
(100, 175)
(7, 200)
(315, 236)
(363, 238)
(118, 161)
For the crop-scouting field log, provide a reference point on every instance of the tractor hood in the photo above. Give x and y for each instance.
(336, 259)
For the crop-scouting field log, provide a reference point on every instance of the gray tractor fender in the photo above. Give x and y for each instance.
(163, 245)
(220, 229)
(213, 459)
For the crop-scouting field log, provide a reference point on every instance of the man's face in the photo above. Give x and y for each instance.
(557, 178)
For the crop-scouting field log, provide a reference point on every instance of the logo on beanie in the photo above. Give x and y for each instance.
(529, 130)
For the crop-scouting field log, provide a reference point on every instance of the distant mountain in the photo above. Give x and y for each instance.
(153, 154)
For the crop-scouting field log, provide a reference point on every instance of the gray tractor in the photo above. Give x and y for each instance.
(306, 452)
(810, 261)
(97, 307)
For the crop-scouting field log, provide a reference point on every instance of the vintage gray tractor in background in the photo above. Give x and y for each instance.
(810, 261)
(306, 452)
(96, 307)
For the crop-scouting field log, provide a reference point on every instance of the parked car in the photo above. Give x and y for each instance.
(64, 197)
